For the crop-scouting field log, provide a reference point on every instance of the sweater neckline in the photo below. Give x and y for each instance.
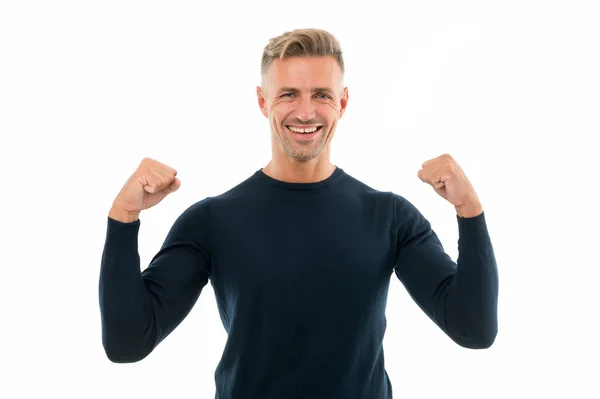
(266, 179)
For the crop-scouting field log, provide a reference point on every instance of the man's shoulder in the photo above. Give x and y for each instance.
(402, 207)
(359, 187)
(237, 192)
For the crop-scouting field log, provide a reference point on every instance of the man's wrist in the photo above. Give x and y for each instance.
(470, 210)
(123, 216)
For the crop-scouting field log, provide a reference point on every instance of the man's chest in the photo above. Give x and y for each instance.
(295, 253)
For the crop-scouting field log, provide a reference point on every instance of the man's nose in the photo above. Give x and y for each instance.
(306, 109)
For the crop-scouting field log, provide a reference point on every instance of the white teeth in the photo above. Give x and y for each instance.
(296, 130)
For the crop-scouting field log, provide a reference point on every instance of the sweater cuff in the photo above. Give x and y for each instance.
(122, 235)
(116, 222)
(473, 232)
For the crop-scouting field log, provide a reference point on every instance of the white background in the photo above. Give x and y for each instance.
(510, 89)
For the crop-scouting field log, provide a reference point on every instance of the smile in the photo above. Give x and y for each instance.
(307, 130)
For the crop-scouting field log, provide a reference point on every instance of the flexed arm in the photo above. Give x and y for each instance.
(140, 309)
(460, 297)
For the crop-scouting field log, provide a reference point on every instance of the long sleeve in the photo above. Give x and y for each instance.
(140, 309)
(460, 297)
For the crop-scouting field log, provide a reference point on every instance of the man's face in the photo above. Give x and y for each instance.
(303, 93)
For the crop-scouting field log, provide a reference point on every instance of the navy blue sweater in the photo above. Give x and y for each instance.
(301, 274)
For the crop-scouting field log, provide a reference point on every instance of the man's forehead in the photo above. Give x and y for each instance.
(295, 89)
(304, 80)
(306, 83)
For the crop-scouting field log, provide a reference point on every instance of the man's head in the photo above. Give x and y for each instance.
(302, 87)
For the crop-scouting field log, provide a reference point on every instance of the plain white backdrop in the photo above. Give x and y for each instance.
(510, 89)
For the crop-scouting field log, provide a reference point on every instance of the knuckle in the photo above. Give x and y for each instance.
(158, 181)
(169, 170)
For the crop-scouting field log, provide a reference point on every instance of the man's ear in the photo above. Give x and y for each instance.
(262, 101)
(344, 102)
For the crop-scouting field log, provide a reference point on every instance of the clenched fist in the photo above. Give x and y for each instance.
(148, 185)
(450, 182)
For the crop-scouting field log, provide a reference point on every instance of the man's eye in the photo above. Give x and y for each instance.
(325, 96)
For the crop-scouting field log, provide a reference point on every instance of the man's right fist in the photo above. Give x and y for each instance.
(147, 186)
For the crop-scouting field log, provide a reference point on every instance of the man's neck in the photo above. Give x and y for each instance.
(307, 172)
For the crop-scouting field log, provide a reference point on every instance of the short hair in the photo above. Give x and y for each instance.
(302, 43)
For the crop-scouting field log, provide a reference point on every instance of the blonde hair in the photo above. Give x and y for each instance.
(302, 43)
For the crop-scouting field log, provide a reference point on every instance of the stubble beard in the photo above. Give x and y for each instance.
(303, 152)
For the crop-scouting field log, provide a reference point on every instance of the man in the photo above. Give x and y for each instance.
(300, 254)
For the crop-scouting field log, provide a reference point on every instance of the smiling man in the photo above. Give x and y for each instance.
(300, 254)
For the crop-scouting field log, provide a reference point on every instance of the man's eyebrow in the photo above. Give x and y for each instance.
(315, 90)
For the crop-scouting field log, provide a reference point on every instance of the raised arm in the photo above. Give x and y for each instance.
(138, 308)
(460, 297)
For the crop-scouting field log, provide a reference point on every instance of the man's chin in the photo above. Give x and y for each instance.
(304, 156)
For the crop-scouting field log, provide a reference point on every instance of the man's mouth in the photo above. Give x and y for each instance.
(305, 130)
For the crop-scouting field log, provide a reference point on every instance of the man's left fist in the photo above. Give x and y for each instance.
(450, 182)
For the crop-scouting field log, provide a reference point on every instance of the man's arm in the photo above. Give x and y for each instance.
(462, 297)
(140, 309)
